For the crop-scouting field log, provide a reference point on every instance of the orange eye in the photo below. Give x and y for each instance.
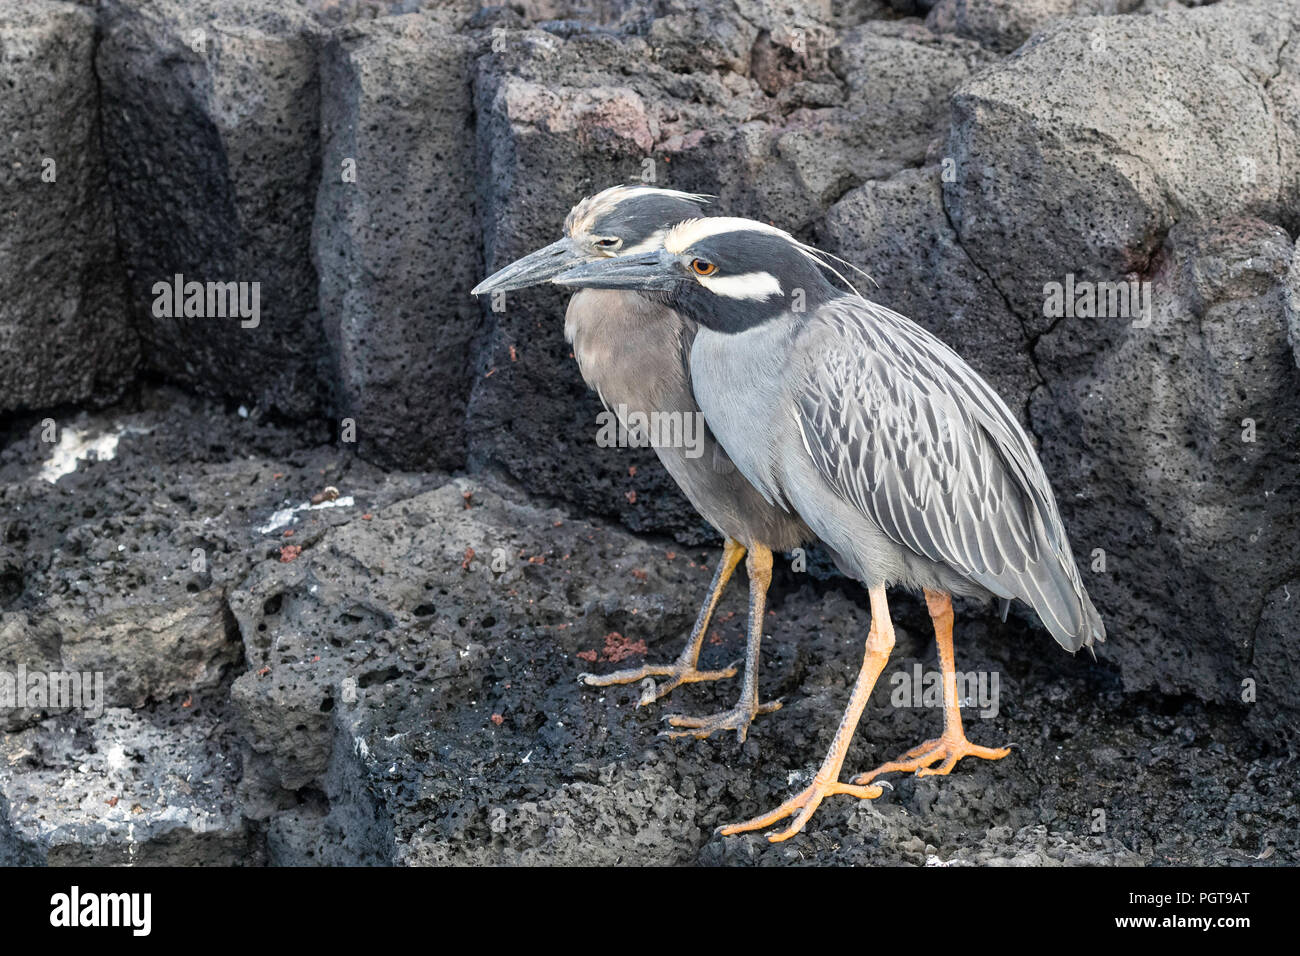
(702, 267)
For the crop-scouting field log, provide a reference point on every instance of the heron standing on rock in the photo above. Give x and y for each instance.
(633, 350)
(895, 452)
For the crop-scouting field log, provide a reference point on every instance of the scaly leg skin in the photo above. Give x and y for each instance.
(759, 566)
(880, 641)
(683, 671)
(953, 745)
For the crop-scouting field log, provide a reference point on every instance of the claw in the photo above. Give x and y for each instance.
(683, 670)
(952, 745)
(678, 673)
(949, 748)
(738, 719)
(880, 641)
(801, 806)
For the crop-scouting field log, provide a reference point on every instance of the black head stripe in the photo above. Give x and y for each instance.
(804, 284)
(637, 218)
(737, 253)
(747, 251)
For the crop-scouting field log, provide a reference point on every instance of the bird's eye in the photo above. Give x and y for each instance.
(608, 243)
(702, 267)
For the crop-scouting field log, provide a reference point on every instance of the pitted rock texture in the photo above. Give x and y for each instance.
(64, 334)
(395, 207)
(212, 110)
(407, 693)
(339, 571)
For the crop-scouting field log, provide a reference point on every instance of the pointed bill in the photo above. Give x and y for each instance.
(534, 268)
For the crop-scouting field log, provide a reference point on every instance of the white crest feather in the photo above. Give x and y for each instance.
(584, 215)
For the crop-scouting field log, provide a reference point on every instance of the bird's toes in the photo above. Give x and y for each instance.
(651, 692)
(684, 720)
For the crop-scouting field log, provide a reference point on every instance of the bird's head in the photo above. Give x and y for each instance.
(727, 274)
(620, 221)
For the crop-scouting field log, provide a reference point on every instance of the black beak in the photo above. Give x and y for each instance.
(534, 268)
(651, 271)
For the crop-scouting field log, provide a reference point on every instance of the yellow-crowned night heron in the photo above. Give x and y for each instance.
(897, 454)
(632, 349)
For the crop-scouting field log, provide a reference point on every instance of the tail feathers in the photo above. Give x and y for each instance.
(1088, 626)
(1093, 629)
(1064, 607)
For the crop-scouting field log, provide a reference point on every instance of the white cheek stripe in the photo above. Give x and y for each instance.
(751, 285)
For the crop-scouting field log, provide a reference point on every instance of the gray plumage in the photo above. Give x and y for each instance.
(632, 350)
(897, 454)
(899, 457)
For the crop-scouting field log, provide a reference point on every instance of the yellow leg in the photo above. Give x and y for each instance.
(953, 745)
(880, 641)
(683, 670)
(759, 566)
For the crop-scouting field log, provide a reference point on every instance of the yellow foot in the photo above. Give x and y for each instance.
(738, 719)
(803, 806)
(920, 758)
(677, 675)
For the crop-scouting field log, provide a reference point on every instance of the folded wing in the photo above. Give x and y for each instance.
(902, 429)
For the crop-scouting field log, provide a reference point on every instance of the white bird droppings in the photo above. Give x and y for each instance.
(76, 445)
(288, 515)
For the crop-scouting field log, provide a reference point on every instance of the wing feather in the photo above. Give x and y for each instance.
(907, 433)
